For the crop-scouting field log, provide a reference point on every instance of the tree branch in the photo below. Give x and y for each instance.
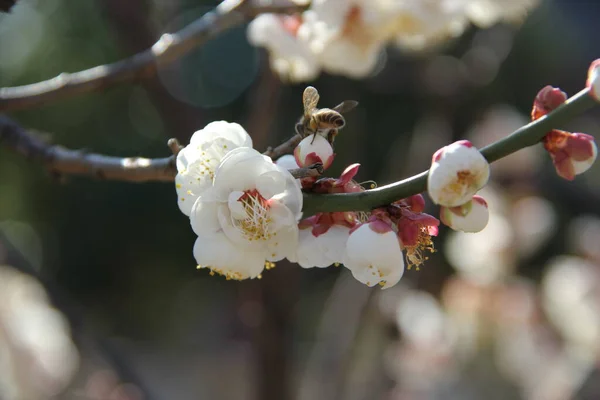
(284, 148)
(526, 136)
(62, 161)
(167, 49)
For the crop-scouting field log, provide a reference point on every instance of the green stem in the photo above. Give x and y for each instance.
(528, 135)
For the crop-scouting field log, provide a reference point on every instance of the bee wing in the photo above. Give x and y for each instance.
(310, 99)
(345, 106)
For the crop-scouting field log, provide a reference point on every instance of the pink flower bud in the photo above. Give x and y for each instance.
(572, 153)
(457, 172)
(547, 99)
(313, 149)
(593, 80)
(469, 217)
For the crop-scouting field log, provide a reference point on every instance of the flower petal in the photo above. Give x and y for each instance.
(218, 253)
(203, 217)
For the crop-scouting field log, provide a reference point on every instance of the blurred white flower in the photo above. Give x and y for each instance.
(486, 257)
(457, 172)
(571, 300)
(322, 250)
(485, 13)
(534, 221)
(289, 57)
(348, 37)
(37, 356)
(197, 162)
(313, 149)
(248, 216)
(374, 255)
(425, 23)
(472, 216)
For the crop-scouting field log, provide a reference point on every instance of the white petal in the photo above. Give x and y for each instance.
(271, 183)
(374, 256)
(283, 245)
(308, 254)
(239, 171)
(314, 144)
(281, 216)
(234, 234)
(444, 185)
(334, 243)
(229, 131)
(203, 217)
(218, 252)
(235, 206)
(287, 161)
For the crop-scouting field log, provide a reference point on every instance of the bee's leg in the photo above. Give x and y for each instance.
(313, 139)
(331, 136)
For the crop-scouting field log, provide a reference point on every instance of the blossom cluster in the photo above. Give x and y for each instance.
(348, 37)
(571, 153)
(247, 209)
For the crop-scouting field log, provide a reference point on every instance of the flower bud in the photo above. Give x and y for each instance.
(457, 172)
(469, 217)
(313, 149)
(593, 80)
(547, 99)
(572, 153)
(374, 256)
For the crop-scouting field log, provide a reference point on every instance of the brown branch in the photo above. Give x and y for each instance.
(167, 49)
(284, 148)
(59, 160)
(62, 161)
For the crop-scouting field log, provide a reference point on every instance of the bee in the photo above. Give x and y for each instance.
(325, 121)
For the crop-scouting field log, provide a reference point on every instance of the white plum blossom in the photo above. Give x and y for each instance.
(472, 216)
(313, 149)
(374, 255)
(248, 216)
(197, 162)
(289, 57)
(348, 37)
(322, 250)
(485, 13)
(457, 172)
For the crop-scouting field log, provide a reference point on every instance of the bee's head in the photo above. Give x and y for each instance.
(300, 129)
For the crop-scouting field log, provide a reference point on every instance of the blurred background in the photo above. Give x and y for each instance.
(512, 312)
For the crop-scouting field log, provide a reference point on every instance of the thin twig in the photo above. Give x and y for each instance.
(525, 136)
(62, 161)
(59, 160)
(313, 171)
(284, 148)
(167, 49)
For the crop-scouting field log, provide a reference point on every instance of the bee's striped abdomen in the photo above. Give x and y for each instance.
(329, 119)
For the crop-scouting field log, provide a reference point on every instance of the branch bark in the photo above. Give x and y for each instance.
(168, 48)
(59, 160)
